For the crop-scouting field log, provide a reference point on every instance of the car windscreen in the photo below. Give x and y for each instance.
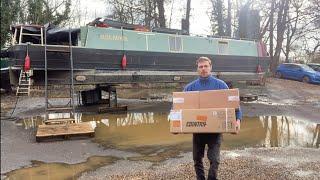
(306, 67)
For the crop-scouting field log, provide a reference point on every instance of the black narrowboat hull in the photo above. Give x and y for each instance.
(86, 59)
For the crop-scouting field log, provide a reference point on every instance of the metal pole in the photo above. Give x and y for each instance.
(71, 65)
(46, 73)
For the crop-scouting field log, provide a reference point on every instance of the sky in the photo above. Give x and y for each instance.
(199, 20)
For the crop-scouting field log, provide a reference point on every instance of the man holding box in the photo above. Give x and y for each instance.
(207, 82)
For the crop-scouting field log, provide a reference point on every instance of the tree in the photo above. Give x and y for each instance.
(292, 26)
(9, 9)
(42, 11)
(32, 12)
(282, 8)
(314, 36)
(147, 12)
(243, 21)
(217, 17)
(281, 27)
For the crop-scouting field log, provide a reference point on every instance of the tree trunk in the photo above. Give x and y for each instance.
(162, 20)
(271, 35)
(220, 18)
(281, 27)
(188, 16)
(147, 14)
(228, 23)
(274, 138)
(155, 15)
(287, 45)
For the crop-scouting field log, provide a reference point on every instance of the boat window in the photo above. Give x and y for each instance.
(223, 47)
(175, 43)
(171, 43)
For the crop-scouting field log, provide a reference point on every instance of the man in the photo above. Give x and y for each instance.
(207, 82)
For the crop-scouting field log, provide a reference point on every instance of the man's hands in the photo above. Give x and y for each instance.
(237, 126)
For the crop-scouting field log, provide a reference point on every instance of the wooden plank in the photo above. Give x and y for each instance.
(60, 121)
(64, 130)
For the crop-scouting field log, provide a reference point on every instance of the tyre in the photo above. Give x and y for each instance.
(278, 75)
(306, 79)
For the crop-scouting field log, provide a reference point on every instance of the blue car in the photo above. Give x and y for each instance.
(299, 72)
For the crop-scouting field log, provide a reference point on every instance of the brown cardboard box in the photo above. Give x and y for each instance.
(226, 98)
(209, 120)
(185, 100)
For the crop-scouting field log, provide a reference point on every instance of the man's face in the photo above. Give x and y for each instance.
(204, 69)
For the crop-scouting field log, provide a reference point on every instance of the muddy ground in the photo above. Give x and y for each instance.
(278, 97)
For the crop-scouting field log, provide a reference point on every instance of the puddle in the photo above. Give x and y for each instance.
(53, 171)
(148, 132)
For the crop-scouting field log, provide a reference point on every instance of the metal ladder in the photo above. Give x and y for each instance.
(22, 34)
(24, 85)
(25, 80)
(49, 107)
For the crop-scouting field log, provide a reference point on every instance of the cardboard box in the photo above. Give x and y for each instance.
(185, 100)
(226, 98)
(211, 120)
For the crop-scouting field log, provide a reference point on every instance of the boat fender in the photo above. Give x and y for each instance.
(27, 63)
(259, 69)
(124, 62)
(27, 60)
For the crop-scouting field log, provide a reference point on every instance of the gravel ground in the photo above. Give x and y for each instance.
(280, 97)
(253, 163)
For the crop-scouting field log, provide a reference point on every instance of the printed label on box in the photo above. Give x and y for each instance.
(196, 124)
(201, 118)
(176, 123)
(178, 100)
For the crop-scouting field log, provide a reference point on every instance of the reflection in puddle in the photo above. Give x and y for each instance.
(53, 171)
(281, 131)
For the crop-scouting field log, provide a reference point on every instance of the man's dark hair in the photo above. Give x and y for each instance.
(202, 59)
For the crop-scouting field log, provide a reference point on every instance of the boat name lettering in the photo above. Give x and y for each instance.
(110, 37)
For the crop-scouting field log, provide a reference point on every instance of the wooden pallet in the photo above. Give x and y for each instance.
(64, 131)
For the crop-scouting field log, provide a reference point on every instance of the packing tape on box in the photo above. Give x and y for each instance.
(226, 120)
(233, 98)
(178, 100)
(175, 115)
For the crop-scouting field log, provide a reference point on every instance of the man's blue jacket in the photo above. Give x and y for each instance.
(210, 83)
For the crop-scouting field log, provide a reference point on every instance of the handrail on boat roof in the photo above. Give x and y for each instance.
(28, 25)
